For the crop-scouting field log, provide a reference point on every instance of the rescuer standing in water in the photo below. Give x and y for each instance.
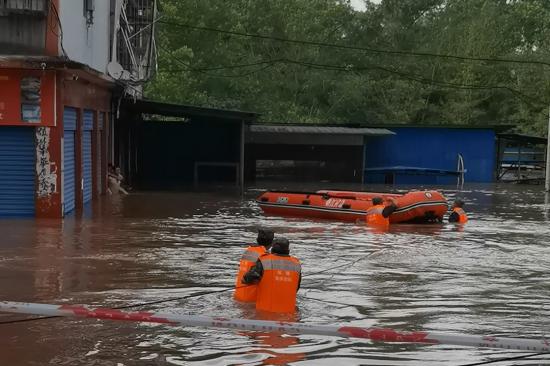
(247, 293)
(458, 215)
(279, 275)
(378, 215)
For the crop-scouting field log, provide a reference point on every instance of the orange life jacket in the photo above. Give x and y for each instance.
(243, 292)
(375, 217)
(279, 284)
(462, 218)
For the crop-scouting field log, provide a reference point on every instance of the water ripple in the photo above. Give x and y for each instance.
(488, 277)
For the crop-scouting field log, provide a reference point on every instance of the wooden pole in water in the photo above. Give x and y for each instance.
(547, 180)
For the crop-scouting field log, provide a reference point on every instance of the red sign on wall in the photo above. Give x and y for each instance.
(27, 97)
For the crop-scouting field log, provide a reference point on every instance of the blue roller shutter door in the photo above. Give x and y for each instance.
(87, 155)
(69, 159)
(99, 157)
(17, 171)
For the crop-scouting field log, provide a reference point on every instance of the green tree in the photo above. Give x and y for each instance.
(296, 82)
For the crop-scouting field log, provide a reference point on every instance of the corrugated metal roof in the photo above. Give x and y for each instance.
(324, 130)
(182, 110)
(523, 138)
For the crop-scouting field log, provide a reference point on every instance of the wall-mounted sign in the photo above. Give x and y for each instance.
(27, 96)
(30, 99)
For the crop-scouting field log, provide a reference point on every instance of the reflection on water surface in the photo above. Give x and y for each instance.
(491, 276)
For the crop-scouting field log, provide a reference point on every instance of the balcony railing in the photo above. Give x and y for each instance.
(23, 26)
(135, 39)
(37, 7)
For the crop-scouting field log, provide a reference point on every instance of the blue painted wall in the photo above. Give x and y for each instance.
(434, 148)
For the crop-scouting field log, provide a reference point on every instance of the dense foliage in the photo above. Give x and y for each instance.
(361, 82)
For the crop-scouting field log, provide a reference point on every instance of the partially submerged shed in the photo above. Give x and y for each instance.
(433, 154)
(166, 146)
(521, 158)
(307, 152)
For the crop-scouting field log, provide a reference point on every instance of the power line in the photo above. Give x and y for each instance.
(355, 48)
(411, 77)
(188, 67)
(351, 68)
(204, 293)
(236, 66)
(423, 80)
(408, 76)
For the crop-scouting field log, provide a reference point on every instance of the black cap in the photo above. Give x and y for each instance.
(265, 237)
(377, 201)
(459, 203)
(280, 246)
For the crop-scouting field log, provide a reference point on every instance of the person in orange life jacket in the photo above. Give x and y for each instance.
(379, 214)
(279, 275)
(247, 293)
(458, 215)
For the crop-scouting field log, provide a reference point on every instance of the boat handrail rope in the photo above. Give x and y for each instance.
(328, 195)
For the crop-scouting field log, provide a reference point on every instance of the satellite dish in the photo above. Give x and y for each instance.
(115, 70)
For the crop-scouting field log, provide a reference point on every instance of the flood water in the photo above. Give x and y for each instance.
(490, 277)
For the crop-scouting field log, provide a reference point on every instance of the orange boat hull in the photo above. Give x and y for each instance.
(417, 206)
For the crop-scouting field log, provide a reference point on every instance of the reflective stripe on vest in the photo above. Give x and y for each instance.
(250, 256)
(279, 283)
(281, 264)
(247, 293)
(376, 210)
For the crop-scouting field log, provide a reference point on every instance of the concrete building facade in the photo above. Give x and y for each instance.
(59, 80)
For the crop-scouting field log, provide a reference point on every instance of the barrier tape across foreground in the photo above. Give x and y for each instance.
(374, 334)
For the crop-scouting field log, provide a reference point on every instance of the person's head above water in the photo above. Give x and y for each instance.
(377, 201)
(458, 203)
(280, 246)
(265, 237)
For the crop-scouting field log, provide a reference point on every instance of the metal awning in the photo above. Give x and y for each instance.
(317, 130)
(517, 137)
(188, 111)
(311, 135)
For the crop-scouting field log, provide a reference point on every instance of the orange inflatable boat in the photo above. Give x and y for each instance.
(415, 206)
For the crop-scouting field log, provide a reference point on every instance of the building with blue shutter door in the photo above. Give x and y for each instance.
(56, 98)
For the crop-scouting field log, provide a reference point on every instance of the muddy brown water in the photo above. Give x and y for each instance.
(490, 277)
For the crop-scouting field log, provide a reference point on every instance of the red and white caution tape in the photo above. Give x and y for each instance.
(374, 334)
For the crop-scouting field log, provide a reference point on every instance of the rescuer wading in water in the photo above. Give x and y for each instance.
(378, 214)
(279, 275)
(247, 293)
(458, 215)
